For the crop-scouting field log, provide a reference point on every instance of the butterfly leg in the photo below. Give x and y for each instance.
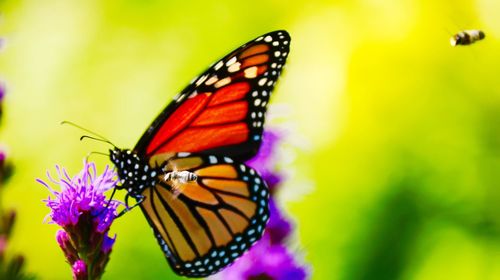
(111, 197)
(140, 199)
(109, 202)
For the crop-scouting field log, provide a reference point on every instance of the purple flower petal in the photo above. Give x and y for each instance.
(107, 243)
(3, 154)
(266, 160)
(62, 238)
(2, 85)
(278, 227)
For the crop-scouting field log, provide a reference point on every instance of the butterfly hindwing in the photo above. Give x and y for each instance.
(222, 111)
(204, 225)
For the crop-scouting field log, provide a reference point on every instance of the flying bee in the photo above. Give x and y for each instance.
(466, 37)
(179, 179)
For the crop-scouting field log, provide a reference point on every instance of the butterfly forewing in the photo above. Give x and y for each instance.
(223, 108)
(204, 224)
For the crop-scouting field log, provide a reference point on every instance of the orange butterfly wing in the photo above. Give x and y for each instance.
(204, 225)
(222, 111)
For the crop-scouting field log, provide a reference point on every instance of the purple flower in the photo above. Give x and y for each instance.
(2, 91)
(265, 163)
(266, 159)
(2, 96)
(265, 261)
(83, 193)
(84, 213)
(2, 157)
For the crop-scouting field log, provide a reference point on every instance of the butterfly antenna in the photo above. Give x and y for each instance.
(99, 137)
(111, 197)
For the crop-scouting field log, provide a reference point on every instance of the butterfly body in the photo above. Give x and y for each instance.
(135, 174)
(188, 173)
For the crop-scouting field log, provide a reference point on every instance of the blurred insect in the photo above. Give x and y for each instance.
(178, 180)
(187, 172)
(182, 177)
(466, 37)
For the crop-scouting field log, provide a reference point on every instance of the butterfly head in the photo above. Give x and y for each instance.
(135, 174)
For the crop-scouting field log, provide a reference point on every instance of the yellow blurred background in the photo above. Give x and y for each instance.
(397, 170)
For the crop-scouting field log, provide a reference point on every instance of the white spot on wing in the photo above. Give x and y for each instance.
(223, 82)
(231, 61)
(212, 159)
(218, 65)
(234, 67)
(201, 80)
(180, 98)
(195, 93)
(212, 80)
(250, 72)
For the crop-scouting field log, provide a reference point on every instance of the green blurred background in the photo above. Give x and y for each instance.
(396, 172)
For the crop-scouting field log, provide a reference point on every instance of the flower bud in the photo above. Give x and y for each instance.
(79, 270)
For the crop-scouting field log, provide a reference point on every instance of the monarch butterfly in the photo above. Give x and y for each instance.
(187, 172)
(466, 37)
